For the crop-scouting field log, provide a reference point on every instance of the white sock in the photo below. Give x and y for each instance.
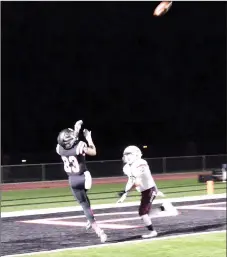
(96, 228)
(146, 219)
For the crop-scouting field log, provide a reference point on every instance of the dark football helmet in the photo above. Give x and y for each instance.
(67, 138)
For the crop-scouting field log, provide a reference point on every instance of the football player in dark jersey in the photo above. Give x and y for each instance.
(73, 152)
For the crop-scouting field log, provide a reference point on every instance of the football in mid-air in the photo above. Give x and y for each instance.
(162, 8)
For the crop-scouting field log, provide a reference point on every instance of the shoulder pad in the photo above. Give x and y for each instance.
(57, 149)
(141, 162)
(126, 169)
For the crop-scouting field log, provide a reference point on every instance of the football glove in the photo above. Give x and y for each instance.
(77, 127)
(123, 196)
(87, 135)
(159, 193)
(121, 193)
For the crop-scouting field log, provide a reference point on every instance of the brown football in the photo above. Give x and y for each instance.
(162, 8)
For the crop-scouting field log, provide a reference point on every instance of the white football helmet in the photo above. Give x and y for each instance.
(131, 154)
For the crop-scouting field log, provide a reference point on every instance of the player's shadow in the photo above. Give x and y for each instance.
(126, 239)
(201, 228)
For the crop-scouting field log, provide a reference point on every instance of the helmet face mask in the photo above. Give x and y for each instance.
(129, 158)
(131, 154)
(67, 138)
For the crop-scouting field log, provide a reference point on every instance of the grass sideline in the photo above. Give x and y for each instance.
(189, 245)
(62, 197)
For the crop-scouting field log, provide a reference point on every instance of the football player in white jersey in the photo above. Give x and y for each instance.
(139, 176)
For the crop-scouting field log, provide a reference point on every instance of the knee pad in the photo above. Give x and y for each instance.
(88, 180)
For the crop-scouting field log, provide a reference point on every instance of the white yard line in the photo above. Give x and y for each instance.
(204, 206)
(98, 214)
(107, 206)
(116, 244)
(61, 219)
(159, 215)
(193, 207)
(80, 224)
(213, 203)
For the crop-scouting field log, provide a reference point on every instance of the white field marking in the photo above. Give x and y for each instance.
(204, 206)
(81, 224)
(213, 203)
(120, 219)
(212, 208)
(117, 244)
(163, 214)
(82, 216)
(103, 223)
(108, 206)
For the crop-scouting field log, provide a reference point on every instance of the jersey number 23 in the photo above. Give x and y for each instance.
(71, 164)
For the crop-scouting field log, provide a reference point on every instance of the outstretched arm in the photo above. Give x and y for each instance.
(91, 149)
(77, 128)
(129, 186)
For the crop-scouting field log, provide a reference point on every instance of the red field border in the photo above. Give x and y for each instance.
(108, 180)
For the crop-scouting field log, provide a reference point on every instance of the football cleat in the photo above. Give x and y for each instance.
(102, 236)
(150, 234)
(168, 207)
(154, 212)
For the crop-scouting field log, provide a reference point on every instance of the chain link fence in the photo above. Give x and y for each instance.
(55, 171)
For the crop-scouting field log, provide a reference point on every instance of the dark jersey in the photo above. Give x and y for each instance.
(73, 159)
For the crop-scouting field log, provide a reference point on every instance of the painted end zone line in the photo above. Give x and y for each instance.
(80, 224)
(116, 244)
(204, 206)
(67, 221)
(97, 215)
(107, 206)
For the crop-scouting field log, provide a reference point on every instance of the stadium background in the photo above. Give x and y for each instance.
(133, 79)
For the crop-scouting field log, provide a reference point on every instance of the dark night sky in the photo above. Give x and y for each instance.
(132, 78)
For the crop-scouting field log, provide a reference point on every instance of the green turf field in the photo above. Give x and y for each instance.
(103, 193)
(206, 245)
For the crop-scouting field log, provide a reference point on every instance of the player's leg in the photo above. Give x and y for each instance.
(147, 197)
(168, 207)
(80, 194)
(87, 186)
(82, 198)
(88, 225)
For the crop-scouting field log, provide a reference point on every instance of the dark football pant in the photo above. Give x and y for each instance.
(80, 193)
(147, 198)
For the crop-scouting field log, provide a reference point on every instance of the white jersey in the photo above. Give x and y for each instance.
(141, 172)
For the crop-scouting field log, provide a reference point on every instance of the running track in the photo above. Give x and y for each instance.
(108, 180)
